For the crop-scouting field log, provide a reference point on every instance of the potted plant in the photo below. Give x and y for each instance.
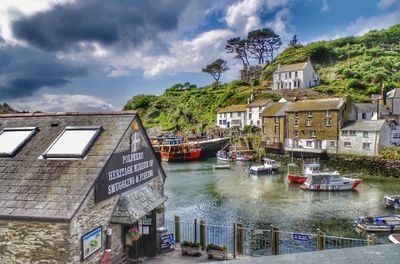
(134, 234)
(190, 248)
(217, 252)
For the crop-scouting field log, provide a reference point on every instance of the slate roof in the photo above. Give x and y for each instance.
(394, 93)
(370, 108)
(374, 125)
(135, 204)
(291, 67)
(316, 105)
(54, 189)
(233, 108)
(276, 109)
(259, 103)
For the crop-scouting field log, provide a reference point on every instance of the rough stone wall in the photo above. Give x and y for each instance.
(33, 242)
(269, 129)
(317, 123)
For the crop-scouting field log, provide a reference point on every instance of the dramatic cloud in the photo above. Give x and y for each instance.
(128, 23)
(24, 70)
(363, 25)
(62, 102)
(386, 3)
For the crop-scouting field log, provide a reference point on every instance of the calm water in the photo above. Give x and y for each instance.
(226, 196)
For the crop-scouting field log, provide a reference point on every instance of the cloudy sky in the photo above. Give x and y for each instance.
(90, 55)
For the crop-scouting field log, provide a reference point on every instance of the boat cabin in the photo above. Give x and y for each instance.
(311, 168)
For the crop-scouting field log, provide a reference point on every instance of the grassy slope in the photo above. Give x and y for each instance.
(352, 66)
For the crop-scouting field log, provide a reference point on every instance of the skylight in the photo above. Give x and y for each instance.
(12, 139)
(73, 142)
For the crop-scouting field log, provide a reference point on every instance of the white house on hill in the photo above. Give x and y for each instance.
(295, 76)
(232, 116)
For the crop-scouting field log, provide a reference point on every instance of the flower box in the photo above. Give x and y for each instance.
(191, 251)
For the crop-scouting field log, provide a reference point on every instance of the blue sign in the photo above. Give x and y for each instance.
(301, 237)
(167, 243)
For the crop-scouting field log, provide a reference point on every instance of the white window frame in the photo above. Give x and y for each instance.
(84, 151)
(364, 146)
(365, 134)
(22, 143)
(309, 122)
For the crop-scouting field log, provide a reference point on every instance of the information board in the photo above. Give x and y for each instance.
(91, 242)
(167, 243)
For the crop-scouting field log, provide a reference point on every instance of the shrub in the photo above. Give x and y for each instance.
(216, 247)
(190, 244)
(355, 84)
(255, 82)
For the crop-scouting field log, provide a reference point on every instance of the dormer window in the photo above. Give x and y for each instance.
(12, 139)
(73, 142)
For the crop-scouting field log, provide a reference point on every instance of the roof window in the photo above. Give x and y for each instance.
(12, 139)
(73, 142)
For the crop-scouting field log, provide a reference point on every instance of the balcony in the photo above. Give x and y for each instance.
(294, 145)
(273, 145)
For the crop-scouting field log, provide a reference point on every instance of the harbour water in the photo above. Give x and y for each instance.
(221, 197)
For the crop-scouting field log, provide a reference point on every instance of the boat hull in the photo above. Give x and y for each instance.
(180, 156)
(395, 238)
(378, 228)
(263, 170)
(327, 187)
(294, 178)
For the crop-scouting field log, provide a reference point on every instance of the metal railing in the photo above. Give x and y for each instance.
(247, 241)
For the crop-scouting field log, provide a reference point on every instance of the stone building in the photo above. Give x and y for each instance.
(232, 116)
(254, 110)
(295, 76)
(393, 102)
(364, 137)
(72, 183)
(274, 125)
(313, 125)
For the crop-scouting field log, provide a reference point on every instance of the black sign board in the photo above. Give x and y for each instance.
(167, 243)
(128, 169)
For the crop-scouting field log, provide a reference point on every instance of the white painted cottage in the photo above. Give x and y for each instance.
(254, 111)
(395, 132)
(370, 111)
(232, 116)
(364, 137)
(295, 76)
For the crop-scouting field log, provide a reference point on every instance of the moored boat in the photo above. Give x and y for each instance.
(225, 155)
(295, 176)
(180, 151)
(269, 166)
(387, 223)
(242, 157)
(329, 181)
(392, 201)
(395, 238)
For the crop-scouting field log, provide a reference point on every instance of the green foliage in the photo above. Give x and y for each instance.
(255, 82)
(250, 129)
(190, 244)
(140, 102)
(392, 153)
(216, 247)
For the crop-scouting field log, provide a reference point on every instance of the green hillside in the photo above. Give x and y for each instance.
(351, 66)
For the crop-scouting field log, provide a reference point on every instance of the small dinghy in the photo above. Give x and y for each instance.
(242, 157)
(395, 238)
(392, 201)
(221, 167)
(388, 223)
(269, 166)
(224, 155)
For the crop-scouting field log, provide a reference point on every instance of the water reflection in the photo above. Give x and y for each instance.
(195, 190)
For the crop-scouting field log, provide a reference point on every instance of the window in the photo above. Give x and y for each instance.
(224, 115)
(309, 113)
(344, 133)
(309, 143)
(230, 115)
(327, 122)
(352, 133)
(296, 123)
(224, 122)
(251, 122)
(313, 133)
(365, 134)
(73, 142)
(332, 144)
(285, 75)
(366, 146)
(276, 130)
(308, 122)
(220, 122)
(296, 133)
(239, 114)
(259, 115)
(347, 144)
(249, 115)
(258, 122)
(327, 113)
(280, 76)
(12, 139)
(290, 85)
(295, 74)
(294, 84)
(276, 120)
(296, 114)
(259, 109)
(364, 115)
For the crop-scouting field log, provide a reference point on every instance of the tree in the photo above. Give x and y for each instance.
(238, 46)
(215, 69)
(262, 43)
(293, 41)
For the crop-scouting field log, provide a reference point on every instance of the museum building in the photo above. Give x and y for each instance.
(75, 185)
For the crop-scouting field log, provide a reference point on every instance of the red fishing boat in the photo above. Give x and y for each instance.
(180, 151)
(295, 175)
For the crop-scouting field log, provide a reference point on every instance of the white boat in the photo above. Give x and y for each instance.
(224, 155)
(221, 167)
(269, 166)
(329, 181)
(240, 157)
(387, 223)
(395, 238)
(392, 201)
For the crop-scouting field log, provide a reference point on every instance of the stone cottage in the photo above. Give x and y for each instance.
(71, 183)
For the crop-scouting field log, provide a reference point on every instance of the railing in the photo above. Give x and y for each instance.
(246, 241)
